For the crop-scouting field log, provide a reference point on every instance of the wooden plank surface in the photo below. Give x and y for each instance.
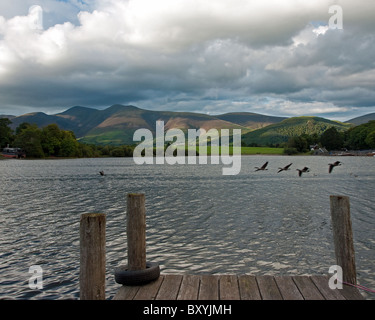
(228, 288)
(126, 293)
(237, 287)
(288, 288)
(248, 288)
(169, 287)
(189, 288)
(329, 294)
(268, 288)
(307, 287)
(150, 290)
(209, 288)
(351, 293)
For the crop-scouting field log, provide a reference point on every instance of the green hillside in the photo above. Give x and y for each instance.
(250, 120)
(120, 122)
(296, 126)
(116, 125)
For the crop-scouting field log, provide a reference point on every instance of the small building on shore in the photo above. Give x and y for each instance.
(317, 150)
(13, 153)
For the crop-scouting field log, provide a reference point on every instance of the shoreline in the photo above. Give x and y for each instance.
(249, 151)
(242, 155)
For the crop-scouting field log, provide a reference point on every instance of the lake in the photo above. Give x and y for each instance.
(198, 220)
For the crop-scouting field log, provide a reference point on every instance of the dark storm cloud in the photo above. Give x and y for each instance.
(189, 55)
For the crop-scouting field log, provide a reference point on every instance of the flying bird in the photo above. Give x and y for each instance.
(101, 173)
(285, 168)
(263, 167)
(300, 171)
(335, 164)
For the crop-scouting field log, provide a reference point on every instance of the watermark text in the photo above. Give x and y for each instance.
(335, 282)
(178, 145)
(36, 280)
(336, 20)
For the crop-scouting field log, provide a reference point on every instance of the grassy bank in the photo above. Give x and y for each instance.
(249, 150)
(261, 150)
(245, 151)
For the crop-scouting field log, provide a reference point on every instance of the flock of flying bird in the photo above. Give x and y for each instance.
(300, 171)
(287, 167)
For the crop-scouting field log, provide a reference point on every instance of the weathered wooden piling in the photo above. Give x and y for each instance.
(92, 259)
(343, 237)
(136, 231)
(93, 263)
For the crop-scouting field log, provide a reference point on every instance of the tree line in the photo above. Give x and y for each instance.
(360, 137)
(51, 141)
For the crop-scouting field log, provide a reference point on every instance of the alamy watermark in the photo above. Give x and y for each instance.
(336, 20)
(36, 279)
(35, 17)
(174, 152)
(335, 282)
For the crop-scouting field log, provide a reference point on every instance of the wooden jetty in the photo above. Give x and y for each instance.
(237, 287)
(206, 286)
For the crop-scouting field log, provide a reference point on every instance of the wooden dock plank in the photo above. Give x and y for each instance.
(189, 288)
(307, 287)
(170, 287)
(150, 290)
(126, 293)
(322, 284)
(228, 287)
(241, 287)
(351, 293)
(248, 288)
(268, 288)
(288, 288)
(209, 288)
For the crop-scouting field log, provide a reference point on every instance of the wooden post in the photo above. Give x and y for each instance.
(343, 237)
(136, 231)
(92, 249)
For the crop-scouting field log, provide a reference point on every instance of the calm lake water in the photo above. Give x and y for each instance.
(198, 221)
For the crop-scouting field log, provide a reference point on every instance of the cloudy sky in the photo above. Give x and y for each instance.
(275, 57)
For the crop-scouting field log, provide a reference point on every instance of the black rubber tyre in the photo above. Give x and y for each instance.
(137, 277)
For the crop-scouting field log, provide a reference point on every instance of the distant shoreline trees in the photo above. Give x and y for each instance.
(360, 137)
(51, 142)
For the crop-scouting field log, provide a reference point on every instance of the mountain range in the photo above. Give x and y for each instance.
(116, 124)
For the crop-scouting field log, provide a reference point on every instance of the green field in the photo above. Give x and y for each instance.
(261, 150)
(251, 150)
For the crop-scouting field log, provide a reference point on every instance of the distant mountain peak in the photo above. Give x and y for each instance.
(362, 119)
(76, 109)
(119, 107)
(116, 124)
(34, 114)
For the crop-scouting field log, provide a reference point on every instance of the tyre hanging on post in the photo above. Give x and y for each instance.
(128, 277)
(138, 271)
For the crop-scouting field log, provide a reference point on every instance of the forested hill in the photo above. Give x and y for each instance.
(116, 125)
(295, 135)
(296, 126)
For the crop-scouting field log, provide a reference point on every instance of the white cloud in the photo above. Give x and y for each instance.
(188, 54)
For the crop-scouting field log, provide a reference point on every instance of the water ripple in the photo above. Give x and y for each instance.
(198, 221)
